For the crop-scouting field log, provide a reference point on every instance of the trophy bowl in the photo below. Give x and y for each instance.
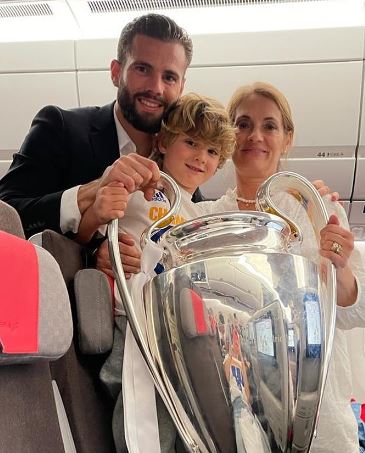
(236, 329)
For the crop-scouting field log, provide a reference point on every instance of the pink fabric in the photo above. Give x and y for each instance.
(19, 295)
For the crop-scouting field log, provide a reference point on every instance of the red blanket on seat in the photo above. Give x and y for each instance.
(19, 295)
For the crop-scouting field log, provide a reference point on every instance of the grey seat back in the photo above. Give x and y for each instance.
(87, 406)
(29, 416)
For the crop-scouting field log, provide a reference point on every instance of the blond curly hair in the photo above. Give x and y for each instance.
(201, 118)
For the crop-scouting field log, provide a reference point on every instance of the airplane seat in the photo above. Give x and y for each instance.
(10, 220)
(88, 407)
(35, 328)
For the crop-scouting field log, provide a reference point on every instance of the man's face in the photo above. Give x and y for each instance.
(151, 79)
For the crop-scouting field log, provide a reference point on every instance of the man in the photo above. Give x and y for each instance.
(54, 177)
(68, 155)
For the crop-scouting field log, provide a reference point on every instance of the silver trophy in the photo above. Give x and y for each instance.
(237, 329)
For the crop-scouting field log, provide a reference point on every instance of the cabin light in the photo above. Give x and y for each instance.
(36, 21)
(273, 17)
(60, 19)
(251, 17)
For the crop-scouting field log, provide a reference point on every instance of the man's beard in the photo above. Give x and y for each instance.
(144, 123)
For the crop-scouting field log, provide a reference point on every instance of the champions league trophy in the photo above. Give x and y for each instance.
(237, 329)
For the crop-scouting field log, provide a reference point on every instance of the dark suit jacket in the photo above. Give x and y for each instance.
(63, 148)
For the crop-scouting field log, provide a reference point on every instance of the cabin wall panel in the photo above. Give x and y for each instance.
(37, 56)
(23, 95)
(327, 169)
(95, 88)
(315, 92)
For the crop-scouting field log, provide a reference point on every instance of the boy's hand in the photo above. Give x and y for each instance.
(110, 202)
(130, 256)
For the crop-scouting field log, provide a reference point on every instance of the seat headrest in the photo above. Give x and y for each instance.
(35, 313)
(94, 308)
(10, 220)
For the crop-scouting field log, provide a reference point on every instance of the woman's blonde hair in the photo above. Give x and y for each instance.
(201, 118)
(268, 91)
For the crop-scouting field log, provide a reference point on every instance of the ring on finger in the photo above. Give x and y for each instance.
(336, 247)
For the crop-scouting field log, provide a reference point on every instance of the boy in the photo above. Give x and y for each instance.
(196, 138)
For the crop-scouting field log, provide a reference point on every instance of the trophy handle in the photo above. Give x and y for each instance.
(309, 198)
(301, 189)
(186, 430)
(174, 196)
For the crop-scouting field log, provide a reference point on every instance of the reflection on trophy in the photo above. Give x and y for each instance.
(237, 329)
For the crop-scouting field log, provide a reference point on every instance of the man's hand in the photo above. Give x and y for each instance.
(134, 172)
(86, 195)
(130, 256)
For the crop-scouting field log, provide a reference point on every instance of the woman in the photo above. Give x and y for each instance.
(265, 132)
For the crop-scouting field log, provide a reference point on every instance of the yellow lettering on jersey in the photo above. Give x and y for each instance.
(178, 219)
(153, 214)
(157, 213)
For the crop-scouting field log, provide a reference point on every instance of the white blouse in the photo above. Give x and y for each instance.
(337, 426)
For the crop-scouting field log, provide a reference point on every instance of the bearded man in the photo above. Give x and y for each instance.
(68, 154)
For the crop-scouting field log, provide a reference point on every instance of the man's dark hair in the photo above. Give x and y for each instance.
(154, 26)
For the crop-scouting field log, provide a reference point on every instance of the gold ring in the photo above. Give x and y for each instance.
(336, 247)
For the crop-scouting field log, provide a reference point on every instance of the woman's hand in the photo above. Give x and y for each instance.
(336, 243)
(323, 190)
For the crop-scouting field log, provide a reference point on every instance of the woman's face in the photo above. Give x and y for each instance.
(261, 138)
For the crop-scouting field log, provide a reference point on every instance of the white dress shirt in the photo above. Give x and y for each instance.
(70, 215)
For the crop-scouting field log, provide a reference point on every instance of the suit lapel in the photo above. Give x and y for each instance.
(104, 139)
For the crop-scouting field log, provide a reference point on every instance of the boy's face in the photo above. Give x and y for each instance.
(190, 162)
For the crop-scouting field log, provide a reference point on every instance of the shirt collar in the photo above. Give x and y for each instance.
(125, 144)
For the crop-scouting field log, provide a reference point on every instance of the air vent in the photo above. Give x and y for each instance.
(114, 6)
(17, 9)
